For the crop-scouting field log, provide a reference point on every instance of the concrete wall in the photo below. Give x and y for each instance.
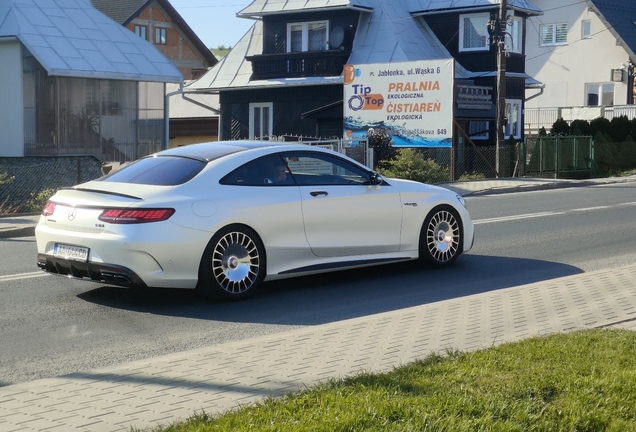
(566, 69)
(11, 100)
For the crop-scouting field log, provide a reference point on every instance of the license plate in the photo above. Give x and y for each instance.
(74, 253)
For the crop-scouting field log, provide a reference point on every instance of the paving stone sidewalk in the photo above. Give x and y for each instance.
(168, 388)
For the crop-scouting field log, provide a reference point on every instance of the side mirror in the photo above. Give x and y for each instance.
(376, 179)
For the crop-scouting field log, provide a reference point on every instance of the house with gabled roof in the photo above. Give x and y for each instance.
(285, 76)
(584, 52)
(74, 82)
(158, 22)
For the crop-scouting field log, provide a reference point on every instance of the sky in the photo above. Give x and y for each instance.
(215, 21)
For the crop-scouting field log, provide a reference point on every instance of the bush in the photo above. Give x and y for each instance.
(627, 154)
(619, 128)
(580, 128)
(410, 164)
(605, 160)
(5, 179)
(560, 127)
(599, 124)
(472, 176)
(38, 200)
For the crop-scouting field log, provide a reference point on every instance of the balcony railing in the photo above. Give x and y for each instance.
(536, 118)
(296, 65)
(474, 97)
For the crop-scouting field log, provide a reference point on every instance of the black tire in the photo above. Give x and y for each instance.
(442, 237)
(233, 265)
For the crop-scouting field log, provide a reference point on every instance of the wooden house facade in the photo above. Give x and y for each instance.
(285, 77)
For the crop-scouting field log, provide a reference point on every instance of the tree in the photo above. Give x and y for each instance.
(599, 124)
(580, 128)
(627, 153)
(619, 128)
(605, 160)
(560, 127)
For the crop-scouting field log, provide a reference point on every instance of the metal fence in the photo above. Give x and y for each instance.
(471, 163)
(559, 156)
(465, 163)
(33, 176)
(356, 149)
(536, 118)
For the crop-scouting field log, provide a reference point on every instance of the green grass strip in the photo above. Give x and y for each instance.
(582, 381)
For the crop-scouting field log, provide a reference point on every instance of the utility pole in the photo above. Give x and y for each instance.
(500, 40)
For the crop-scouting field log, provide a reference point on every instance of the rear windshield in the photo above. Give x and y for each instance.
(159, 171)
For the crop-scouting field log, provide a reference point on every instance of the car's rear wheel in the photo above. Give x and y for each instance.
(441, 237)
(233, 264)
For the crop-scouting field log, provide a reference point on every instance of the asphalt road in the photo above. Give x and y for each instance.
(51, 325)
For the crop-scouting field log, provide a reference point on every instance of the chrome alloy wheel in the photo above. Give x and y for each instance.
(235, 262)
(442, 236)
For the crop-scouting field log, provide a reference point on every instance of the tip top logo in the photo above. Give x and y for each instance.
(362, 98)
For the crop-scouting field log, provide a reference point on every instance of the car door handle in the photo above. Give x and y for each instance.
(316, 193)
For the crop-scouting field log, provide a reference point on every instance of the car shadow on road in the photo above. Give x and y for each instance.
(329, 297)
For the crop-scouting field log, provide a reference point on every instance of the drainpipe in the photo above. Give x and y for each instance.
(166, 114)
(202, 105)
(630, 83)
(535, 95)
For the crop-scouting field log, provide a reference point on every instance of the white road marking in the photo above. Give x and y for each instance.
(590, 208)
(19, 276)
(545, 214)
(515, 217)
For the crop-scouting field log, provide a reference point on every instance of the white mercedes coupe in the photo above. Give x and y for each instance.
(223, 217)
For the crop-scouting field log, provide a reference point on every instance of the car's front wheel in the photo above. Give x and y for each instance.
(441, 237)
(233, 264)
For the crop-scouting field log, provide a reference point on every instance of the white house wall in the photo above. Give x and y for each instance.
(566, 69)
(11, 101)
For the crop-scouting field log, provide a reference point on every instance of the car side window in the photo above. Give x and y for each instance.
(324, 169)
(266, 171)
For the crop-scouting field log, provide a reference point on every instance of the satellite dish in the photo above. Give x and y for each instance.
(336, 37)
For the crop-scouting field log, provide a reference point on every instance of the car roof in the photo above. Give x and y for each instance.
(217, 149)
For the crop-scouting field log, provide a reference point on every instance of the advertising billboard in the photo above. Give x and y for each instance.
(412, 101)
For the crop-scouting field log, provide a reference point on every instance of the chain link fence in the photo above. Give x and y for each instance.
(440, 165)
(29, 181)
(26, 183)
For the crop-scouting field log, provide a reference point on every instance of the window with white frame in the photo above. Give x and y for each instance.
(473, 32)
(586, 29)
(513, 34)
(261, 120)
(307, 36)
(141, 31)
(513, 114)
(478, 130)
(599, 94)
(554, 34)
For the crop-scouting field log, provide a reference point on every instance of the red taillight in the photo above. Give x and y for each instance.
(135, 216)
(49, 208)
